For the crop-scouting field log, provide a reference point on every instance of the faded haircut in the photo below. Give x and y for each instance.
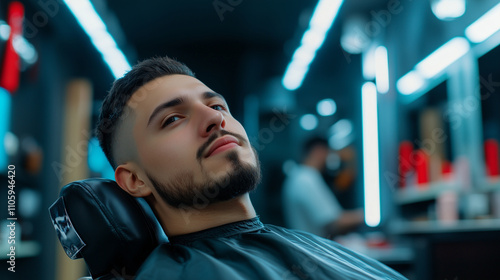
(122, 90)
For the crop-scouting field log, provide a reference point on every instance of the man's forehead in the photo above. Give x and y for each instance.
(168, 86)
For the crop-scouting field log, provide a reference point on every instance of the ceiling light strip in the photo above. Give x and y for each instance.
(96, 29)
(432, 65)
(443, 57)
(321, 21)
(484, 27)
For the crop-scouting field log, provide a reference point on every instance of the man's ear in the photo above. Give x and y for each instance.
(129, 181)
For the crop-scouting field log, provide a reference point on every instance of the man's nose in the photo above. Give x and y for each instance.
(211, 120)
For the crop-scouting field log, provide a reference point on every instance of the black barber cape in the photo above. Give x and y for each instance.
(250, 250)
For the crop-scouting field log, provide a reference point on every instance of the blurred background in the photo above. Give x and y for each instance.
(406, 92)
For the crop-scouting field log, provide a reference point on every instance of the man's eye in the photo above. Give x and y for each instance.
(218, 107)
(169, 120)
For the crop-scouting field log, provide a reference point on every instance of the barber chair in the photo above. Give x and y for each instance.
(112, 231)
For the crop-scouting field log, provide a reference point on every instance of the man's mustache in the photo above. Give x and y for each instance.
(212, 138)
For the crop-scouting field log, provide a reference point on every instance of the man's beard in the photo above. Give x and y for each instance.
(182, 191)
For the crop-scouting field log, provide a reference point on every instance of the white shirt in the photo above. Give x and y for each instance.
(308, 202)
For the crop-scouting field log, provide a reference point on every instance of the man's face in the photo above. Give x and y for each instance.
(188, 144)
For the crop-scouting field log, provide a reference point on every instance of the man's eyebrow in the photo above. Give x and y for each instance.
(166, 105)
(211, 94)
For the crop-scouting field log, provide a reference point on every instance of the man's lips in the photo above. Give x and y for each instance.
(223, 143)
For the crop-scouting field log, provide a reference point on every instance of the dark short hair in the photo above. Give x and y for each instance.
(123, 89)
(312, 143)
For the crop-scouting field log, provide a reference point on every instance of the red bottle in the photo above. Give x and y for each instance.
(491, 157)
(405, 161)
(421, 160)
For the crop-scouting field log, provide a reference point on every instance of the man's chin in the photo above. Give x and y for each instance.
(226, 183)
(240, 181)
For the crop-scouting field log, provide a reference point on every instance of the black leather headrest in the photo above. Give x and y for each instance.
(113, 231)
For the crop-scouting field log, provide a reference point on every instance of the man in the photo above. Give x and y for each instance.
(173, 141)
(308, 202)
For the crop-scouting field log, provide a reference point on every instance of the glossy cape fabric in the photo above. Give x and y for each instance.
(251, 250)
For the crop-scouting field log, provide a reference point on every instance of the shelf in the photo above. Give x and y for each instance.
(491, 184)
(419, 193)
(25, 249)
(396, 254)
(429, 227)
(413, 194)
(387, 252)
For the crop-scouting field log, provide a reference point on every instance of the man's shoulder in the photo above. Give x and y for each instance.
(334, 254)
(276, 246)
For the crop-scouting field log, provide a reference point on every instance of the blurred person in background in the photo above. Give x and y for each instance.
(309, 203)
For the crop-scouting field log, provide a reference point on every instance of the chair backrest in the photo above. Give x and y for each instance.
(112, 231)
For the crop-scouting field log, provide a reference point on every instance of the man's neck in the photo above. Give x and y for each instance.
(188, 219)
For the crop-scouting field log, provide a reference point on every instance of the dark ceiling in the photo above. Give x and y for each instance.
(236, 47)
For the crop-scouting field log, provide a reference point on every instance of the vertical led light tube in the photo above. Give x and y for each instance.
(371, 180)
(5, 103)
(382, 69)
(368, 61)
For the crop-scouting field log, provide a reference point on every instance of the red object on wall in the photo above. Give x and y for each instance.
(9, 78)
(405, 162)
(446, 170)
(491, 157)
(421, 161)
